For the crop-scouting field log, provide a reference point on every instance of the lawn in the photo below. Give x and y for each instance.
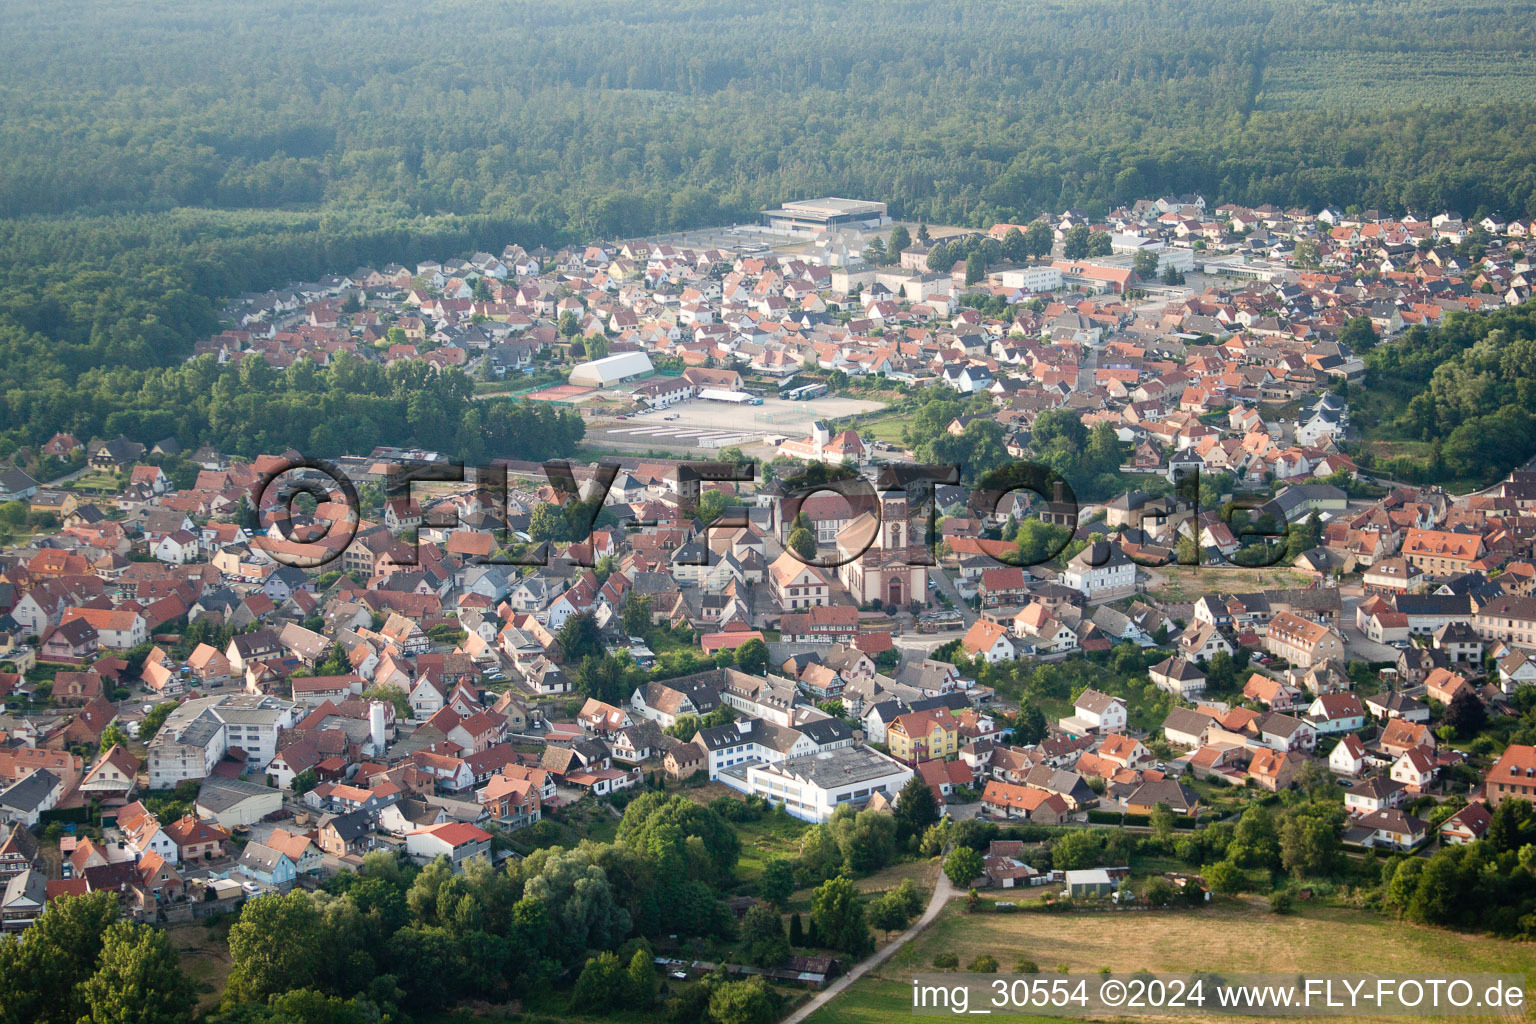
(103, 482)
(204, 954)
(885, 428)
(1238, 936)
(773, 834)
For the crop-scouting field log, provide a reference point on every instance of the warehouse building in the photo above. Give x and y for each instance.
(600, 373)
(815, 216)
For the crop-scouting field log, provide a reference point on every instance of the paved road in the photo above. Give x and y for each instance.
(947, 587)
(941, 895)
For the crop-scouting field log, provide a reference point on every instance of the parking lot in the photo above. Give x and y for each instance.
(704, 424)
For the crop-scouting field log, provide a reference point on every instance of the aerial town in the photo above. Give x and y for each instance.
(1241, 611)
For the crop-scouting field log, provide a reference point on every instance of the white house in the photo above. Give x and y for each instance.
(1101, 572)
(1096, 712)
(457, 840)
(1347, 756)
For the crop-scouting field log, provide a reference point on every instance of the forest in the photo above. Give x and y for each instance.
(161, 158)
(1473, 385)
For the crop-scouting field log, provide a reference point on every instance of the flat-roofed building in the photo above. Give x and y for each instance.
(814, 216)
(812, 786)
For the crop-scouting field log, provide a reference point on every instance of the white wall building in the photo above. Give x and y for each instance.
(812, 786)
(1031, 279)
(197, 735)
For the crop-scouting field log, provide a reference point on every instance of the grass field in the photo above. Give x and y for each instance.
(1237, 937)
(885, 428)
(1187, 582)
(205, 959)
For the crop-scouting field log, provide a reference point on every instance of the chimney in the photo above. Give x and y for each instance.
(376, 726)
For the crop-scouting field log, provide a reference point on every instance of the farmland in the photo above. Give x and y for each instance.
(1238, 936)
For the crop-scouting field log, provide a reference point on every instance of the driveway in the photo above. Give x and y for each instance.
(941, 895)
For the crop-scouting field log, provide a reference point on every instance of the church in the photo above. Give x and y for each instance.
(885, 571)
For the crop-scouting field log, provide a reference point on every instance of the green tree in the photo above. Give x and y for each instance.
(867, 839)
(963, 866)
(307, 1006)
(1161, 821)
(888, 912)
(1015, 248)
(803, 543)
(975, 268)
(138, 980)
(1359, 335)
(752, 657)
(393, 695)
(1038, 239)
(916, 809)
(838, 917)
(262, 967)
(1145, 264)
(1224, 877)
(635, 616)
(1029, 725)
(305, 781)
(41, 971)
(1080, 849)
(762, 934)
(113, 736)
(776, 884)
(545, 522)
(1508, 824)
(602, 985)
(1159, 892)
(1466, 714)
(1310, 845)
(643, 983)
(741, 1002)
(1075, 244)
(581, 638)
(901, 238)
(154, 718)
(935, 838)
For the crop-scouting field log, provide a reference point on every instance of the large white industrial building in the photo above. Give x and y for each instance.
(815, 216)
(600, 373)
